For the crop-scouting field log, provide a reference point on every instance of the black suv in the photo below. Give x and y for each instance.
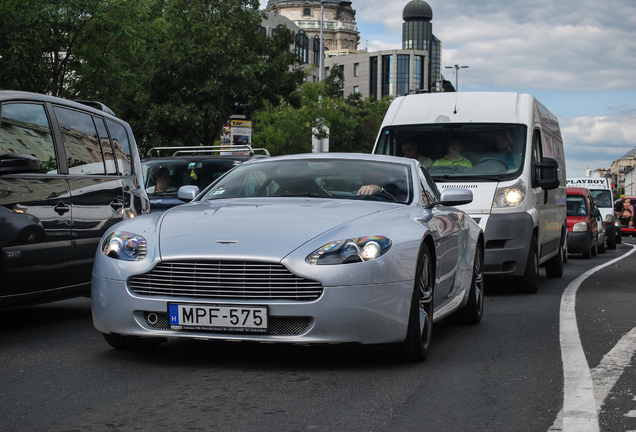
(189, 166)
(68, 171)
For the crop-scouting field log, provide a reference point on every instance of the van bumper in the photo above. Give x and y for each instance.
(508, 239)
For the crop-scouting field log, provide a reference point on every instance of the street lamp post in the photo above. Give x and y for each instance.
(457, 68)
(319, 142)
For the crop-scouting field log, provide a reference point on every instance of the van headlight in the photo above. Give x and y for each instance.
(510, 196)
(352, 250)
(124, 246)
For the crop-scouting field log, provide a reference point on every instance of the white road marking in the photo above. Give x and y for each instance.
(584, 392)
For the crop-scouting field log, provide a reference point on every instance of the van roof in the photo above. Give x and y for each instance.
(468, 107)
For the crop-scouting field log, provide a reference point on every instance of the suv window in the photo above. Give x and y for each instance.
(81, 143)
(121, 145)
(25, 129)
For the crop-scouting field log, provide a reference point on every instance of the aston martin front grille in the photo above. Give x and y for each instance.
(225, 280)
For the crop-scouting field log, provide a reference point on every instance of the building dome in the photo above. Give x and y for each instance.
(417, 10)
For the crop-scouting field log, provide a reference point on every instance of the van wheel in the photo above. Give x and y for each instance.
(554, 267)
(588, 254)
(603, 246)
(595, 248)
(529, 282)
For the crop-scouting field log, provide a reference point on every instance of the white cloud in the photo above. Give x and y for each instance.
(594, 142)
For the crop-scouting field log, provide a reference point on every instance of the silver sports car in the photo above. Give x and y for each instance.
(321, 248)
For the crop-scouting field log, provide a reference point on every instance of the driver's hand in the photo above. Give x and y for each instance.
(369, 190)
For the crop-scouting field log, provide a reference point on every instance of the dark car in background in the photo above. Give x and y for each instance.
(69, 171)
(189, 166)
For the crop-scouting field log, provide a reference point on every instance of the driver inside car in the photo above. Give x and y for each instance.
(378, 183)
(504, 151)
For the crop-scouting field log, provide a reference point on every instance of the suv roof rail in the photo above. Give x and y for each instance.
(208, 149)
(97, 105)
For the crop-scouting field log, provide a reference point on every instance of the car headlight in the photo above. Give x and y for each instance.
(510, 196)
(352, 250)
(578, 227)
(124, 246)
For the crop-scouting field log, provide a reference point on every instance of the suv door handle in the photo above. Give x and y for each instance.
(116, 204)
(61, 208)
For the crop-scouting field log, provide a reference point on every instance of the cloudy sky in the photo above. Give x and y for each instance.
(578, 57)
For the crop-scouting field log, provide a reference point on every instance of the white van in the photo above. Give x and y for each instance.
(603, 196)
(507, 149)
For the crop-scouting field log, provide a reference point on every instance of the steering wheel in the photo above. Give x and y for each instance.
(494, 159)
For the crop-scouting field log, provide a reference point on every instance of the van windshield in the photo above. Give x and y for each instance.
(456, 151)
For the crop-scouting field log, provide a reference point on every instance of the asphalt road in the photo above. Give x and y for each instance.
(505, 374)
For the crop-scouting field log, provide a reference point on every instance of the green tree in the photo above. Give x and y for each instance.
(353, 122)
(175, 69)
(68, 48)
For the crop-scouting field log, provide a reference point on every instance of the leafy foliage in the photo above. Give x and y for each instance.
(352, 123)
(175, 69)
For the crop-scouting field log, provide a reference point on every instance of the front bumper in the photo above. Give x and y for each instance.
(367, 314)
(507, 239)
(579, 242)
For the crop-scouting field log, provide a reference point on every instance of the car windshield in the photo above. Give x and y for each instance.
(576, 205)
(602, 197)
(459, 151)
(164, 177)
(320, 178)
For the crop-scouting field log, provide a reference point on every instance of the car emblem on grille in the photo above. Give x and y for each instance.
(227, 241)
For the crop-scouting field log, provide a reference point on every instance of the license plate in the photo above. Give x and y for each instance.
(217, 318)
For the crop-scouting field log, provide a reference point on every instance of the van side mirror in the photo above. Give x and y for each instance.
(596, 213)
(547, 174)
(18, 163)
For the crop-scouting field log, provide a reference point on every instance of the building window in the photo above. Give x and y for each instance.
(418, 72)
(306, 11)
(373, 76)
(356, 89)
(338, 14)
(316, 46)
(403, 74)
(387, 75)
(302, 46)
(356, 69)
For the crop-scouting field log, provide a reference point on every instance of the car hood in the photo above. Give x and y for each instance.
(254, 229)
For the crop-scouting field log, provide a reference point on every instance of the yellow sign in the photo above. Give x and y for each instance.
(242, 123)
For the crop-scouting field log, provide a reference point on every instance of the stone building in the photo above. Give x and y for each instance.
(414, 68)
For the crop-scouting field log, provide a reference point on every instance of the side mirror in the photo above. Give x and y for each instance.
(456, 196)
(18, 163)
(188, 193)
(596, 213)
(547, 174)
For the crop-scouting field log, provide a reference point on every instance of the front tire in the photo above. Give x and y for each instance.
(472, 312)
(554, 267)
(529, 282)
(419, 332)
